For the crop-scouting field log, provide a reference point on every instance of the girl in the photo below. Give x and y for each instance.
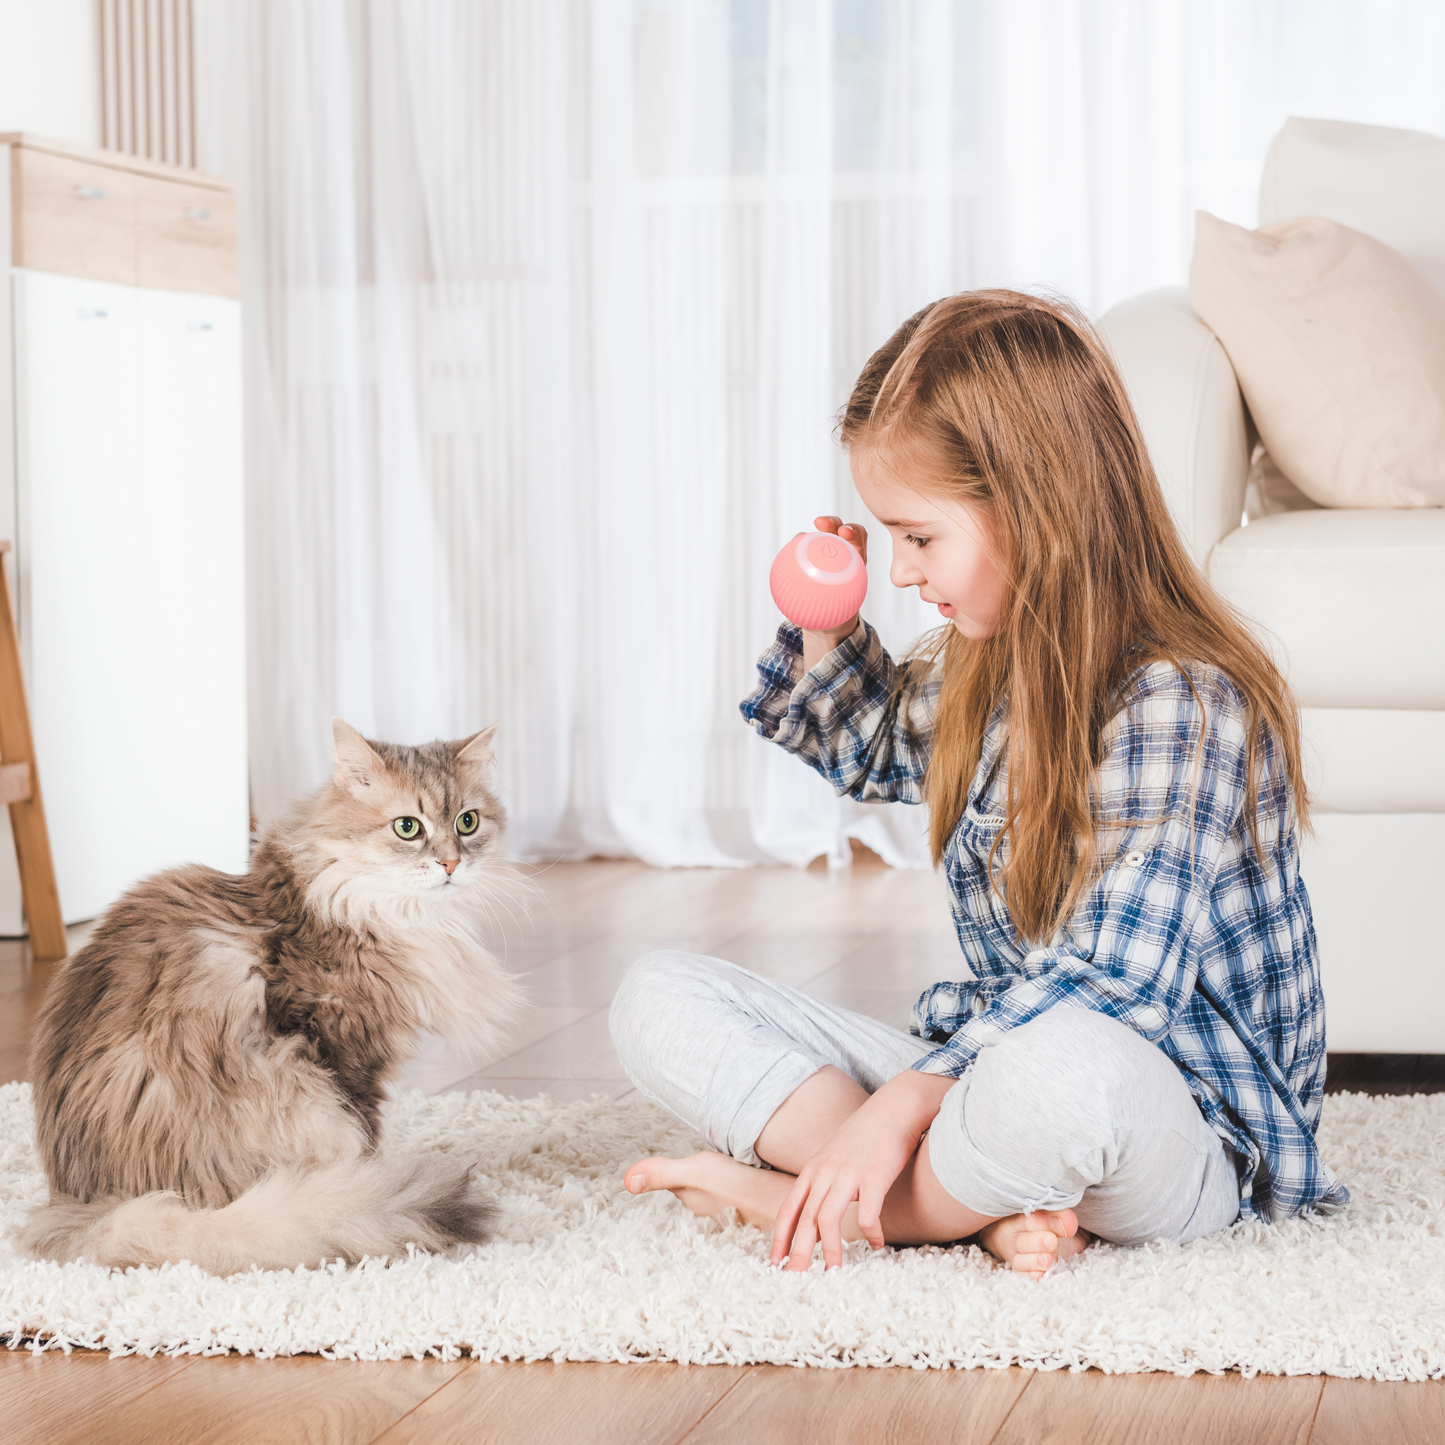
(1112, 767)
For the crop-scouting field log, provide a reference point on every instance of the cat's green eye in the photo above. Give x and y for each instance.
(468, 822)
(408, 828)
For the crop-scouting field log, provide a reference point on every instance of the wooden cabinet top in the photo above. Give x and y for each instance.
(115, 217)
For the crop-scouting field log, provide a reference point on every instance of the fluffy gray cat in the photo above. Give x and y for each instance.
(209, 1067)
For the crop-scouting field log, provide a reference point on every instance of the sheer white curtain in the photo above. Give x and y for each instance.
(550, 304)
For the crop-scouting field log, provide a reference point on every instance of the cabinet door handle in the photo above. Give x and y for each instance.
(90, 193)
(92, 313)
(199, 326)
(194, 213)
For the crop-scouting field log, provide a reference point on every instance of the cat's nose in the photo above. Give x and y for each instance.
(449, 864)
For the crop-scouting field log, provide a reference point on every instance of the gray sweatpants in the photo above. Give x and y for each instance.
(1073, 1109)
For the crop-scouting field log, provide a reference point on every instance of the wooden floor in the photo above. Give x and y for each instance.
(867, 938)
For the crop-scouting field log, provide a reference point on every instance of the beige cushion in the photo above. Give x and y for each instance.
(1353, 602)
(1388, 183)
(1339, 347)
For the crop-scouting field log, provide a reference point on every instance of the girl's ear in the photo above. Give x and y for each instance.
(476, 751)
(358, 766)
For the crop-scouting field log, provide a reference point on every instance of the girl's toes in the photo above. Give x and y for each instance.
(649, 1174)
(1034, 1264)
(1065, 1223)
(1036, 1241)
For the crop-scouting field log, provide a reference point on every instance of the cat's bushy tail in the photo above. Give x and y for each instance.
(373, 1206)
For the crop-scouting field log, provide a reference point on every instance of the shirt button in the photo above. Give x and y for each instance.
(1134, 859)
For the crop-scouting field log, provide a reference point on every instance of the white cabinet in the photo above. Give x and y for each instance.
(123, 423)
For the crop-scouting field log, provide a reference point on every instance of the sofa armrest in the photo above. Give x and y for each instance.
(1188, 403)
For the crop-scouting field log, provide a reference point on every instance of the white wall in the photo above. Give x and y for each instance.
(50, 68)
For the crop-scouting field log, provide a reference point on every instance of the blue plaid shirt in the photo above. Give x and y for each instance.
(1187, 935)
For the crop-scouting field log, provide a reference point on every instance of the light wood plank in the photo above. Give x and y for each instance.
(581, 1050)
(552, 1404)
(1352, 1411)
(239, 1400)
(779, 1406)
(1061, 1408)
(14, 782)
(717, 909)
(76, 217)
(115, 160)
(185, 238)
(54, 1398)
(439, 1066)
(27, 819)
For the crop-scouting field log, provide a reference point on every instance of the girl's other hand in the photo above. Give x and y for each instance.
(817, 645)
(860, 1162)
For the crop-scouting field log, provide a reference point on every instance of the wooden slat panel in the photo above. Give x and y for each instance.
(147, 78)
(185, 238)
(1061, 1408)
(548, 1404)
(882, 1406)
(1403, 1414)
(74, 217)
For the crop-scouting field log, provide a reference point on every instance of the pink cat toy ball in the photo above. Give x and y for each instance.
(818, 581)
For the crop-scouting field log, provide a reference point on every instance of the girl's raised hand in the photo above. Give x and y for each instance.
(848, 531)
(817, 645)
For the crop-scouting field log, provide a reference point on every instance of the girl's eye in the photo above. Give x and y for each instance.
(408, 828)
(919, 542)
(468, 822)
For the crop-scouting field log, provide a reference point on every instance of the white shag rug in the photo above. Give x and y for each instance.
(584, 1271)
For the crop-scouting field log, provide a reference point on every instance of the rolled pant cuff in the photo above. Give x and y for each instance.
(975, 1180)
(739, 1136)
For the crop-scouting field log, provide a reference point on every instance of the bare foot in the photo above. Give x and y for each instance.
(709, 1183)
(1033, 1243)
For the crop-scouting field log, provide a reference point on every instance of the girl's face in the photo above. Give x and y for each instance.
(944, 548)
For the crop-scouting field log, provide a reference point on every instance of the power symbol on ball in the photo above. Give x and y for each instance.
(828, 550)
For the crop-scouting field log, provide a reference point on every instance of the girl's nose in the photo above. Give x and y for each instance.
(449, 864)
(903, 573)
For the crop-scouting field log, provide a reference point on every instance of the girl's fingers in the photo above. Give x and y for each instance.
(858, 536)
(849, 531)
(870, 1207)
(787, 1220)
(830, 1225)
(804, 1238)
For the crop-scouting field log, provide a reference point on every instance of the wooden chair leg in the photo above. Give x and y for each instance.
(20, 788)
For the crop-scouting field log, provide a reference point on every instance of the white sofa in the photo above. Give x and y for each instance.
(1353, 601)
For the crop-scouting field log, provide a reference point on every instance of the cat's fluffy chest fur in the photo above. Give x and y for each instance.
(209, 1069)
(359, 992)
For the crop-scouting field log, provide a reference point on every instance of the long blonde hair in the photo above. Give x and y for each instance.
(1011, 403)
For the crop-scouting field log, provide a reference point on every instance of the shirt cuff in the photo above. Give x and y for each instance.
(843, 658)
(953, 1059)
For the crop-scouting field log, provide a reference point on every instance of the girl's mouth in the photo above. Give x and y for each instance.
(947, 609)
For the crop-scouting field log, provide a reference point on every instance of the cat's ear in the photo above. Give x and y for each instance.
(357, 764)
(477, 750)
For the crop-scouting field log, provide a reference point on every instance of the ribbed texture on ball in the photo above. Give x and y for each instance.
(808, 602)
